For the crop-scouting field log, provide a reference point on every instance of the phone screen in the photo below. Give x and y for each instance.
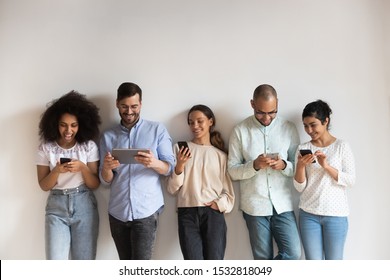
(182, 144)
(63, 160)
(304, 152)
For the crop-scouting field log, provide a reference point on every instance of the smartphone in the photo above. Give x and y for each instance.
(183, 144)
(304, 152)
(63, 160)
(274, 156)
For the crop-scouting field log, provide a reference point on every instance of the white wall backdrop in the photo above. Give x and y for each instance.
(183, 53)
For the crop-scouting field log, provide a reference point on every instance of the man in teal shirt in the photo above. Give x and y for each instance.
(265, 182)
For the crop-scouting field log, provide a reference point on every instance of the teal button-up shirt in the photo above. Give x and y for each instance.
(262, 190)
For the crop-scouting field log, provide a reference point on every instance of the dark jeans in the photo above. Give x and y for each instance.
(134, 240)
(202, 233)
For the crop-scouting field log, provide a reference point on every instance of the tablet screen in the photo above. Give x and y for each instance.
(126, 156)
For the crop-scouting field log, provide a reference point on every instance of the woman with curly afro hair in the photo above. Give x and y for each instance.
(67, 166)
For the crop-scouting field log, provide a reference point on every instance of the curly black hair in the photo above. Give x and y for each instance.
(74, 103)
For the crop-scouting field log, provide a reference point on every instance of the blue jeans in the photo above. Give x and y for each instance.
(323, 237)
(134, 240)
(202, 233)
(71, 224)
(281, 227)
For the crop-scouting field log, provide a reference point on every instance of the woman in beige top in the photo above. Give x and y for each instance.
(203, 188)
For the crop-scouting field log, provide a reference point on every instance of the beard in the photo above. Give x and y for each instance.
(128, 120)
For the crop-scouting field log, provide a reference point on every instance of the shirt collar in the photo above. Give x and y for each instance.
(262, 127)
(137, 124)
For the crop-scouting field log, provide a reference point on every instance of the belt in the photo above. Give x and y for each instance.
(78, 189)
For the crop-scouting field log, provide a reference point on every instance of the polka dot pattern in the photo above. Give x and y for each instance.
(320, 193)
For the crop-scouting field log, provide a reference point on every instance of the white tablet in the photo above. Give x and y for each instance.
(126, 156)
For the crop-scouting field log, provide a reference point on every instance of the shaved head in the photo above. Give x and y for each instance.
(265, 92)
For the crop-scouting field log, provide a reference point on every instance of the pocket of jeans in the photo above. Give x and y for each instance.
(182, 211)
(55, 205)
(215, 212)
(51, 203)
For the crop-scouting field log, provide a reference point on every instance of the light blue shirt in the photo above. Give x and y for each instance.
(262, 190)
(136, 190)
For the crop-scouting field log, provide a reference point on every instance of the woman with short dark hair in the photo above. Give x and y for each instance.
(325, 169)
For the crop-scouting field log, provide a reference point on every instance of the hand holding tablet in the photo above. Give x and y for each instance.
(127, 156)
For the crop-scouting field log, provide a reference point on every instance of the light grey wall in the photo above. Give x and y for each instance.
(186, 52)
(386, 16)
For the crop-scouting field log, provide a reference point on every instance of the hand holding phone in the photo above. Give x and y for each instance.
(64, 160)
(304, 152)
(184, 145)
(274, 156)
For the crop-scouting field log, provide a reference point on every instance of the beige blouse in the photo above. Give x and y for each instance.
(205, 179)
